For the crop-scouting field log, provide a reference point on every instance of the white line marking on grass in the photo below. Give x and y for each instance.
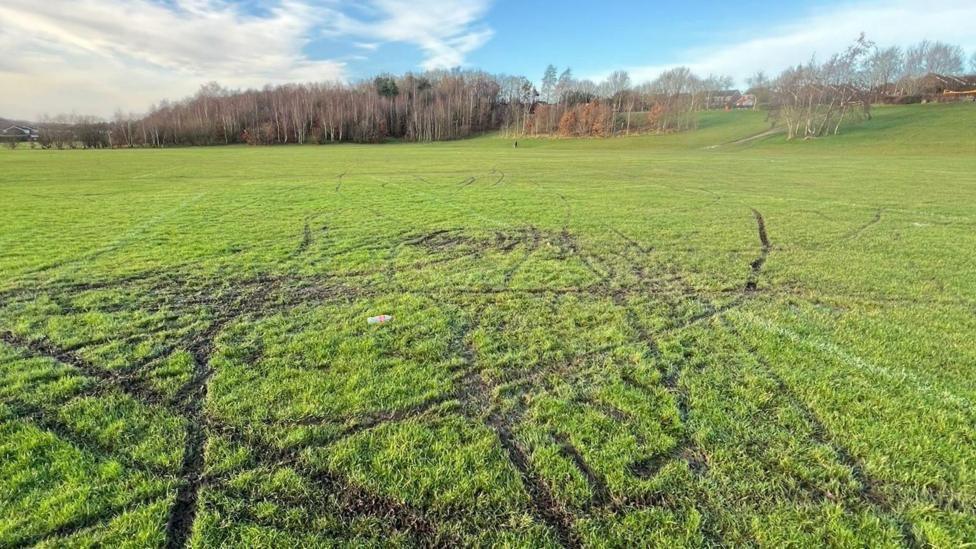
(896, 374)
(138, 230)
(157, 172)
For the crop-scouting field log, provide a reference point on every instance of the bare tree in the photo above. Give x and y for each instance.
(933, 57)
(972, 63)
(585, 88)
(884, 66)
(810, 100)
(616, 88)
(431, 106)
(814, 100)
(616, 83)
(676, 100)
(565, 84)
(716, 89)
(517, 97)
(714, 82)
(759, 86)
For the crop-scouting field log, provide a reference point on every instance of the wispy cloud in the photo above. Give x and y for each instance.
(445, 30)
(97, 55)
(826, 31)
(94, 56)
(368, 46)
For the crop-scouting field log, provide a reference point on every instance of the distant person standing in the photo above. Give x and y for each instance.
(516, 144)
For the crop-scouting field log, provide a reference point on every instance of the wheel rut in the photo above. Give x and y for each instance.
(183, 513)
(766, 247)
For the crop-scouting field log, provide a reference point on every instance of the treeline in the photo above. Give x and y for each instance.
(583, 108)
(429, 107)
(434, 106)
(897, 71)
(73, 131)
(809, 100)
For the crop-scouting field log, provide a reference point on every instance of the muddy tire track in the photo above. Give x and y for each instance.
(183, 513)
(544, 504)
(607, 409)
(305, 242)
(757, 264)
(353, 425)
(353, 501)
(596, 482)
(632, 243)
(465, 183)
(47, 421)
(500, 174)
(569, 246)
(535, 238)
(124, 382)
(474, 395)
(856, 233)
(258, 296)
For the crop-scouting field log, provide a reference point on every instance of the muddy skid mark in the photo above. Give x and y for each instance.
(758, 263)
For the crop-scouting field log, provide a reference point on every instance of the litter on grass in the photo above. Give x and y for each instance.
(382, 319)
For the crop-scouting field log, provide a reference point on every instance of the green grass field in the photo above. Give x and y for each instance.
(648, 341)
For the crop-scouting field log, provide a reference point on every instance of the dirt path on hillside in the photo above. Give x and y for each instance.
(766, 133)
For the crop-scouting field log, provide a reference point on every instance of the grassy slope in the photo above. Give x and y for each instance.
(573, 358)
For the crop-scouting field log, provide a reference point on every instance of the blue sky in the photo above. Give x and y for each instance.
(98, 56)
(649, 36)
(597, 37)
(592, 39)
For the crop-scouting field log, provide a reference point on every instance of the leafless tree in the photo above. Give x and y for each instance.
(565, 84)
(677, 96)
(758, 80)
(809, 100)
(616, 83)
(884, 66)
(933, 57)
(760, 86)
(432, 106)
(814, 100)
(585, 88)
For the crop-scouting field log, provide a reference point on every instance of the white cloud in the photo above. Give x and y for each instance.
(827, 31)
(95, 56)
(445, 30)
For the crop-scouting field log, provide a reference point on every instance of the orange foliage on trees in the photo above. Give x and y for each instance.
(596, 120)
(656, 115)
(569, 123)
(593, 119)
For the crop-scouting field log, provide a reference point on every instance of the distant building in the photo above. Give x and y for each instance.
(943, 84)
(18, 133)
(747, 101)
(932, 87)
(722, 99)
